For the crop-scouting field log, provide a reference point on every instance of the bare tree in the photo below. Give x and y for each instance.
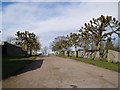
(45, 50)
(11, 39)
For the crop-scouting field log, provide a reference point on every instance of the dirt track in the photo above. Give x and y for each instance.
(56, 72)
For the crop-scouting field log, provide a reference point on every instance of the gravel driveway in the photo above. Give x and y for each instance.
(57, 72)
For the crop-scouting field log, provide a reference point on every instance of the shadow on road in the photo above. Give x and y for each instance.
(32, 66)
(13, 68)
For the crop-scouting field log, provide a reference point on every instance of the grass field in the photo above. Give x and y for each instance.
(100, 63)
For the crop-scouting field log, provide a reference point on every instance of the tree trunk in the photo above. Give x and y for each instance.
(30, 51)
(76, 52)
(94, 53)
(98, 48)
(68, 53)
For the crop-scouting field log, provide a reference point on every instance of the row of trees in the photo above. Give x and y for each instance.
(92, 36)
(27, 41)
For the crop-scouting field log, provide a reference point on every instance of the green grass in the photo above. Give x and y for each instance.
(13, 64)
(19, 58)
(101, 63)
(24, 58)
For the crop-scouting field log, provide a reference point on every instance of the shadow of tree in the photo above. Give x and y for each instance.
(13, 68)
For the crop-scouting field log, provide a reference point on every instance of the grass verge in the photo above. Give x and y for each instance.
(20, 58)
(100, 63)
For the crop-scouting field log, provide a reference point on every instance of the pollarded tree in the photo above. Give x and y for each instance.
(99, 30)
(109, 44)
(54, 46)
(86, 40)
(60, 44)
(74, 41)
(27, 41)
(57, 44)
(36, 45)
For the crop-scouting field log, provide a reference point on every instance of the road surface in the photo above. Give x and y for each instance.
(57, 72)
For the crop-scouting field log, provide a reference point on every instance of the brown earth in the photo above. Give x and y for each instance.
(57, 72)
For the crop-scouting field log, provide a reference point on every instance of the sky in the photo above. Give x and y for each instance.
(50, 19)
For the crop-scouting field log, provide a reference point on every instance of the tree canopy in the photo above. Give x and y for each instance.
(28, 41)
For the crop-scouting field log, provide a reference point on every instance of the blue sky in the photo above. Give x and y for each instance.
(50, 19)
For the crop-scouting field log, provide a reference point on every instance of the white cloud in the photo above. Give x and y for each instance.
(43, 18)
